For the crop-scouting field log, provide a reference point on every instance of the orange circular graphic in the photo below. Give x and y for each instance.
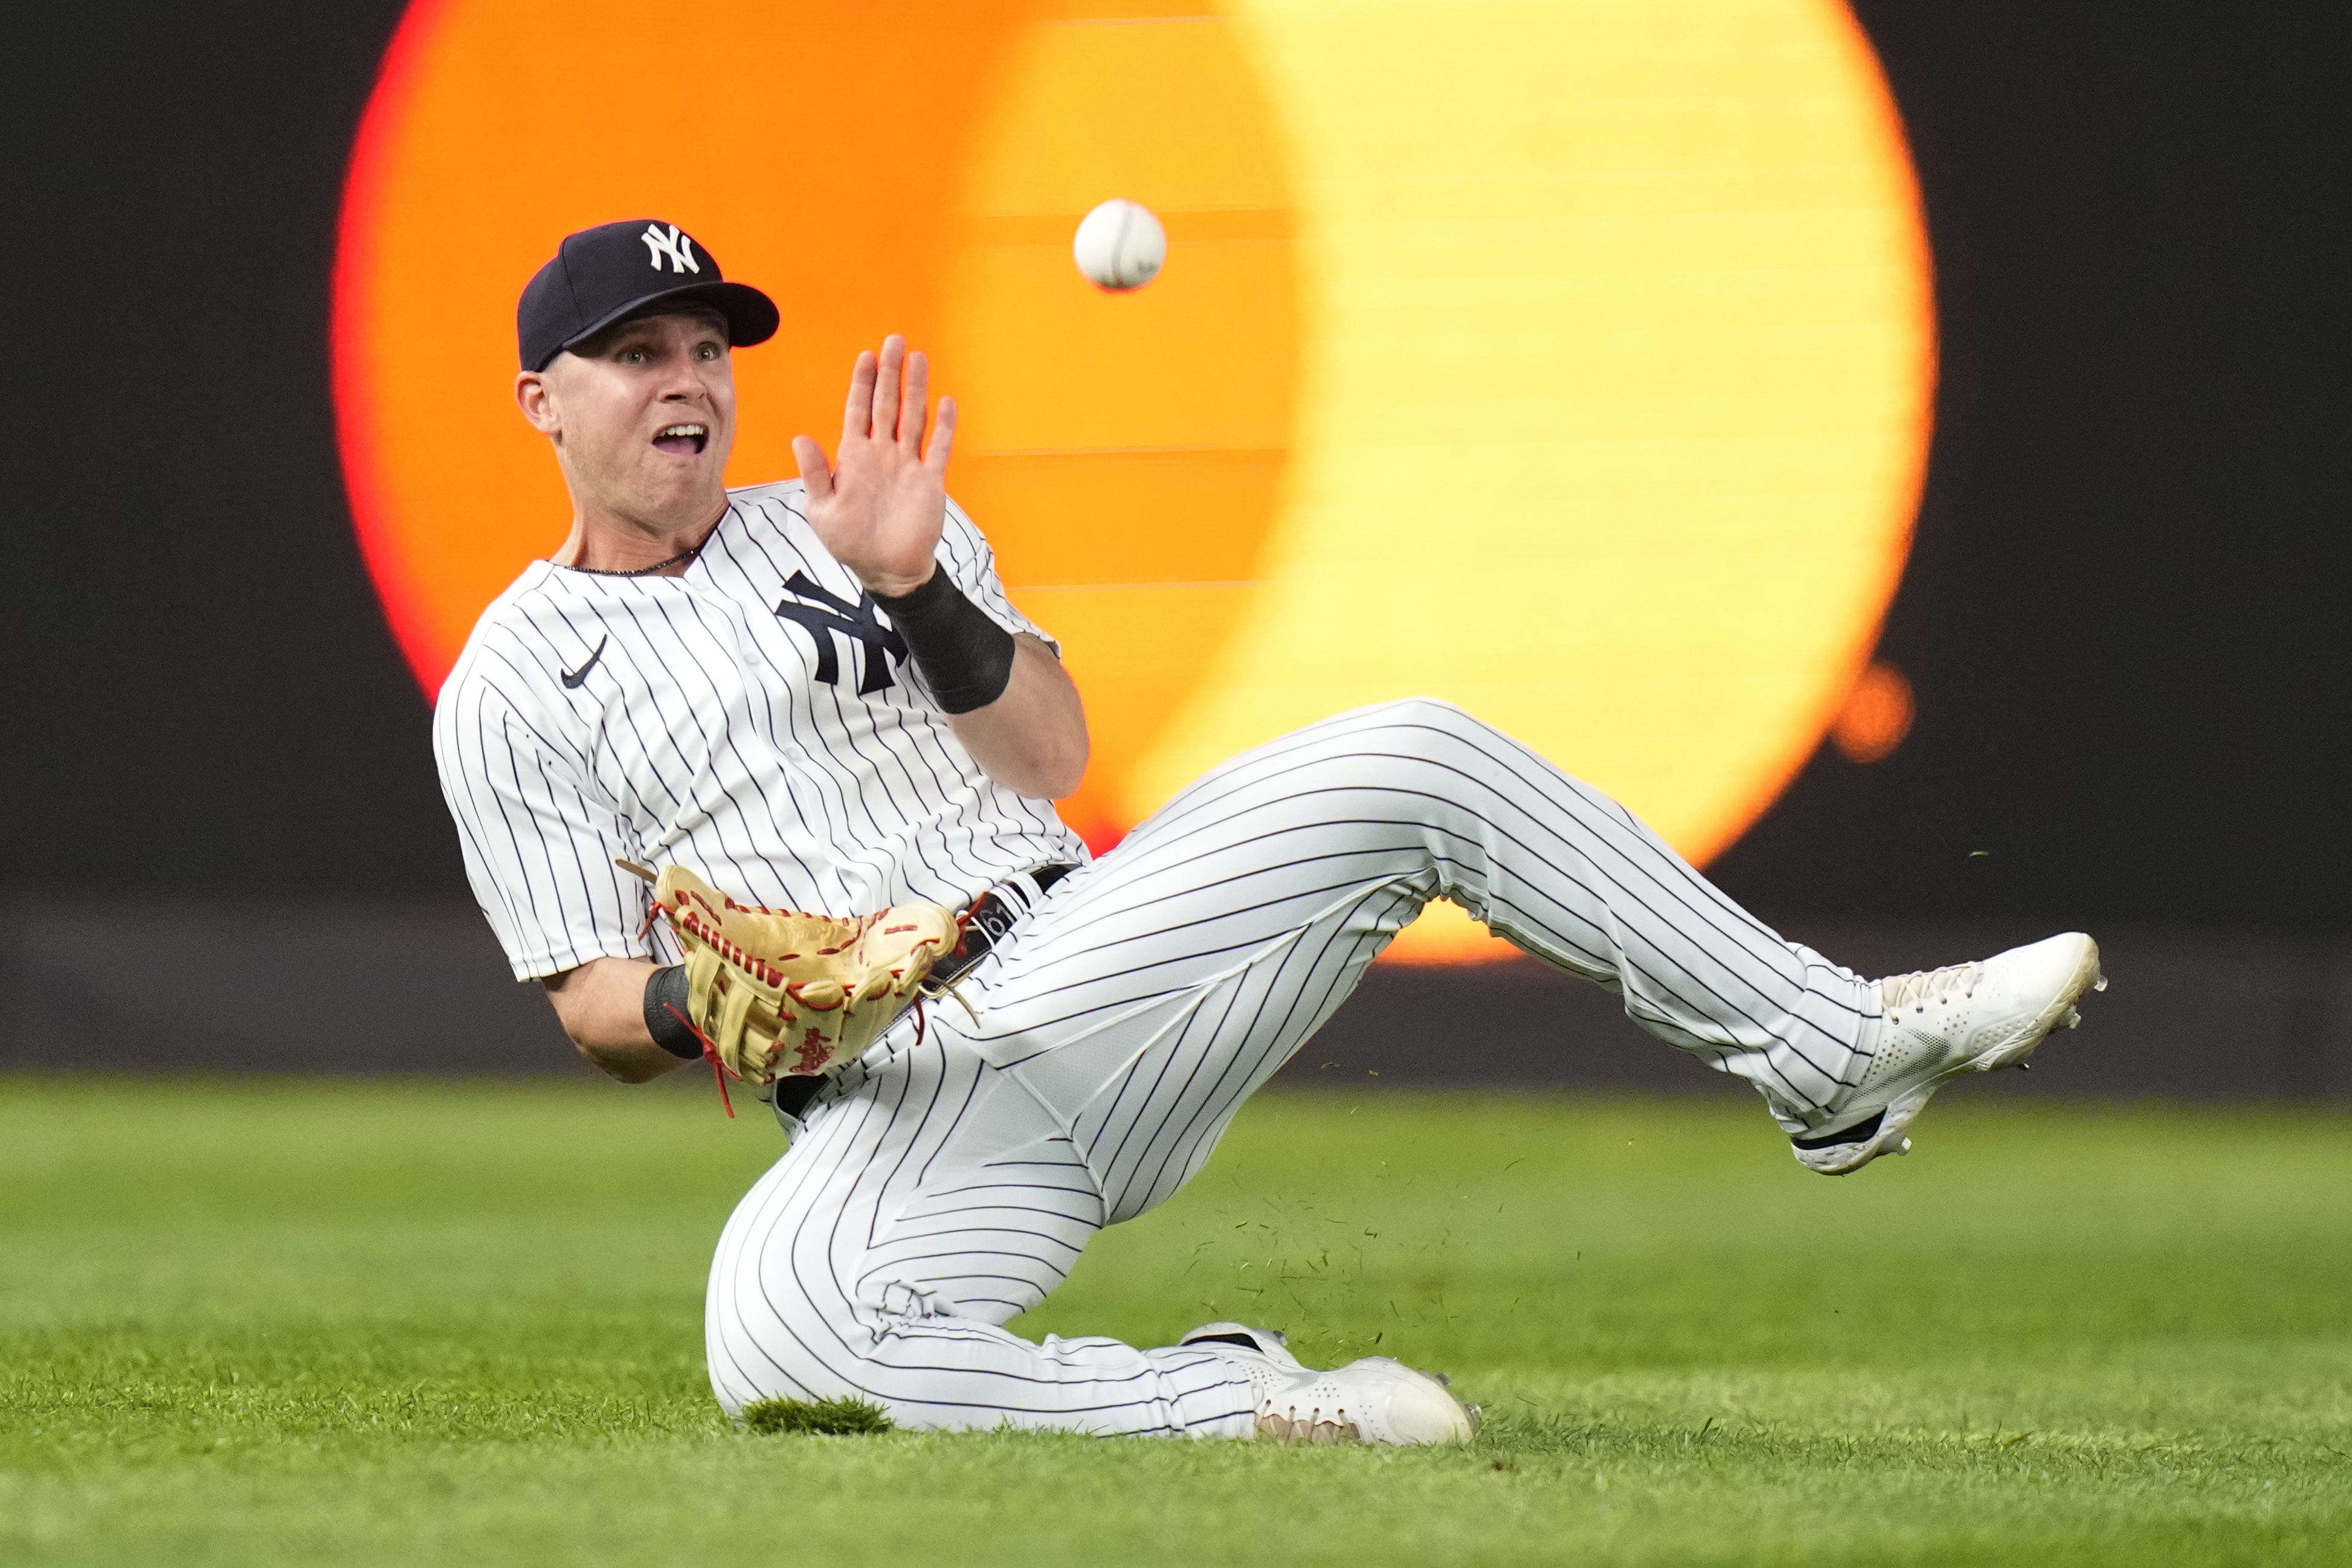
(1570, 362)
(1876, 715)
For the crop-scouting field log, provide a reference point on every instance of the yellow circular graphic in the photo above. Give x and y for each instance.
(1571, 360)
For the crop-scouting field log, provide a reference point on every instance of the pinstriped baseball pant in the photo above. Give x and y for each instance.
(940, 1187)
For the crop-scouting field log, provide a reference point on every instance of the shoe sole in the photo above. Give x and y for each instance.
(1844, 1159)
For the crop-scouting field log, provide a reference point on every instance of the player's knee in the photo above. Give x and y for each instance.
(1366, 745)
(1408, 727)
(1425, 713)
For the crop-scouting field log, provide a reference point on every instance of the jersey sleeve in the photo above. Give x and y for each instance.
(964, 551)
(539, 839)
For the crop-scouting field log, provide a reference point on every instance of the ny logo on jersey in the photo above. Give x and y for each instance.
(860, 622)
(673, 245)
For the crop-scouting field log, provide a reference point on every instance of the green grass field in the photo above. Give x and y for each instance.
(258, 1322)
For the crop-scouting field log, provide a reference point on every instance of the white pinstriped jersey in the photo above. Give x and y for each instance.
(755, 718)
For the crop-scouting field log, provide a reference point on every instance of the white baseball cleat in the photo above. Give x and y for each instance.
(1940, 1023)
(1375, 1400)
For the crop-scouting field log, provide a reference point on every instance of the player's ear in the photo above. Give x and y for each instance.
(536, 399)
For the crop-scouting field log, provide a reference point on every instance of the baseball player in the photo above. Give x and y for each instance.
(816, 695)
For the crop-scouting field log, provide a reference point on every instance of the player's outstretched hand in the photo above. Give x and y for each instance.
(880, 506)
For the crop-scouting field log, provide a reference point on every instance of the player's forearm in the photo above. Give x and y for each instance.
(601, 1006)
(1005, 695)
(1032, 738)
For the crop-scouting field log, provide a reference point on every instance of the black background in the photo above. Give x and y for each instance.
(2122, 616)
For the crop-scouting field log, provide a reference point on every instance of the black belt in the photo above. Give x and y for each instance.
(994, 912)
(986, 920)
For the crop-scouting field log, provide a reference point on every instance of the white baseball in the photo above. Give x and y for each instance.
(1119, 245)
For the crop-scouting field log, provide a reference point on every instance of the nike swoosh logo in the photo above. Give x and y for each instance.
(572, 678)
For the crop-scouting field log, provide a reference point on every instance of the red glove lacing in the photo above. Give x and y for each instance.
(719, 1071)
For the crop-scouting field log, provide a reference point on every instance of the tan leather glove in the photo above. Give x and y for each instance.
(778, 994)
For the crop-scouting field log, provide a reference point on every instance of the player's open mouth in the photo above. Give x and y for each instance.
(683, 438)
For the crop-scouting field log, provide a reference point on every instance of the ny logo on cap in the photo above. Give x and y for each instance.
(673, 245)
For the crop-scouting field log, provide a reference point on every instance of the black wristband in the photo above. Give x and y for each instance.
(965, 657)
(666, 1013)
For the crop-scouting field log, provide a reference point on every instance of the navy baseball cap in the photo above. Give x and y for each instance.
(612, 270)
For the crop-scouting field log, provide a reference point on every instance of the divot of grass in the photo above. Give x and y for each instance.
(843, 1418)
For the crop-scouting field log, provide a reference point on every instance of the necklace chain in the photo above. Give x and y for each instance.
(689, 553)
